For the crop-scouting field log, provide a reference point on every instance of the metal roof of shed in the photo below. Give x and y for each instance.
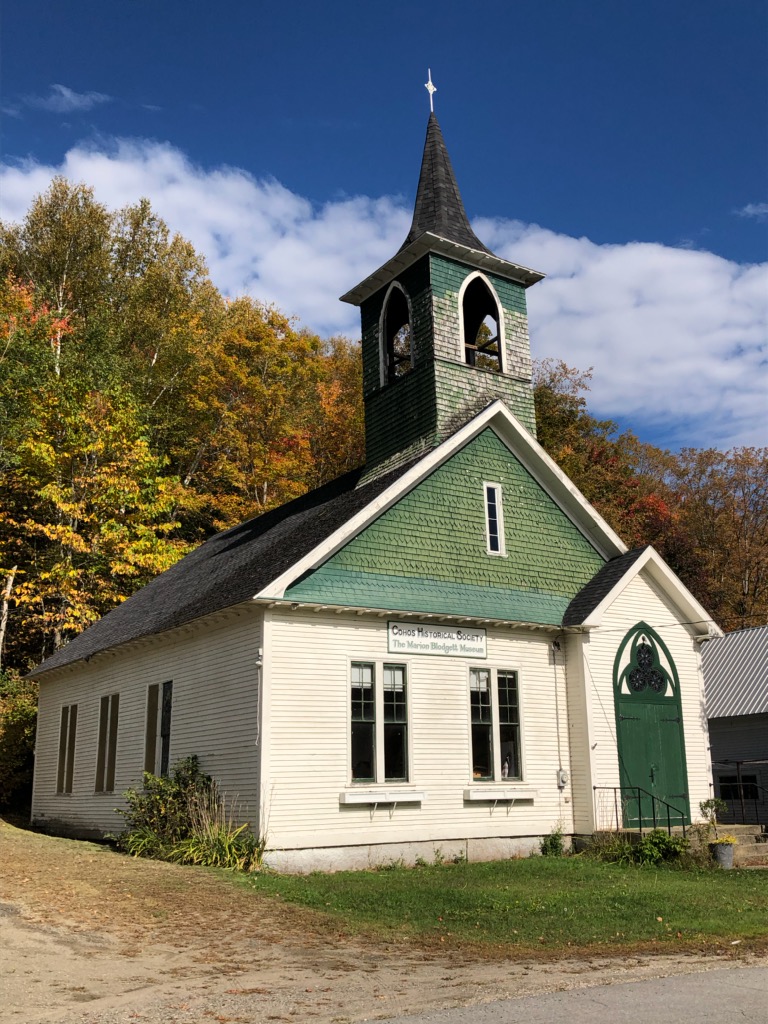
(736, 673)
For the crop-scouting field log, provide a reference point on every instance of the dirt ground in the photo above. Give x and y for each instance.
(88, 935)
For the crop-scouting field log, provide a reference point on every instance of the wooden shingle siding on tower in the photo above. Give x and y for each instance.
(409, 416)
(447, 277)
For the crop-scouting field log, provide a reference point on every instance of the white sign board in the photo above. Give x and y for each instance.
(437, 639)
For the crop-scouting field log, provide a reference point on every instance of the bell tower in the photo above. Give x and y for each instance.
(444, 326)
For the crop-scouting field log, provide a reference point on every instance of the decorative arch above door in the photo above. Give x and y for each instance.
(649, 732)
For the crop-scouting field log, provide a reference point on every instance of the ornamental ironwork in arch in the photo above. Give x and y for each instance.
(643, 667)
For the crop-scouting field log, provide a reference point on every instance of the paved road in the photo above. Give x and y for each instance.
(719, 996)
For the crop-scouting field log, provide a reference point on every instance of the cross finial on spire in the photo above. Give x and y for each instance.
(431, 89)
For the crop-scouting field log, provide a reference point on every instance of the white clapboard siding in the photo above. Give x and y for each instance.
(579, 733)
(307, 759)
(643, 601)
(215, 715)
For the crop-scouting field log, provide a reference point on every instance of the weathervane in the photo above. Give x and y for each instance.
(431, 89)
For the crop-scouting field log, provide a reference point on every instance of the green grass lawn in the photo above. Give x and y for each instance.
(541, 903)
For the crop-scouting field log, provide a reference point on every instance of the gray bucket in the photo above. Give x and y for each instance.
(722, 854)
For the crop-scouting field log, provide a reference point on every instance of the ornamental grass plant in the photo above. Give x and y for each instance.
(184, 818)
(215, 839)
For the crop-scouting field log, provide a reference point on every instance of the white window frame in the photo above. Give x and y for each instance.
(499, 499)
(497, 778)
(383, 367)
(379, 779)
(500, 310)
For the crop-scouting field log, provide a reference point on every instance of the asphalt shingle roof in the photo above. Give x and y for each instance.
(601, 584)
(230, 567)
(439, 208)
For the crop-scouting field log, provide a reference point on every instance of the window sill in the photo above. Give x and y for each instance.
(493, 793)
(382, 796)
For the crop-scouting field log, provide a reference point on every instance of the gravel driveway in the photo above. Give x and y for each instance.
(88, 935)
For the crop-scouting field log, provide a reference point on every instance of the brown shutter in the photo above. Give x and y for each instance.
(151, 739)
(102, 748)
(71, 748)
(112, 748)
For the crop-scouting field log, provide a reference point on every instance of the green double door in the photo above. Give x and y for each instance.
(651, 757)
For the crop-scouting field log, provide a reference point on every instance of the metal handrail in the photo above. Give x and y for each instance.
(741, 800)
(638, 791)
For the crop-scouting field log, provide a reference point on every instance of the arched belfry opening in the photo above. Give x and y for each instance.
(480, 319)
(444, 328)
(397, 336)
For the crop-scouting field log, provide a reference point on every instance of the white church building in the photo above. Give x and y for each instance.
(447, 649)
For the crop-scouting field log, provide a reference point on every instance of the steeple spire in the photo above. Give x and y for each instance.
(439, 209)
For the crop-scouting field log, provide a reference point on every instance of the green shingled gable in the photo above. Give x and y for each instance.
(428, 552)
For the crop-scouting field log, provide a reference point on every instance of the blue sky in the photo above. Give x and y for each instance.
(619, 147)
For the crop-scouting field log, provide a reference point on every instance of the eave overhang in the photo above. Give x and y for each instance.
(696, 617)
(291, 605)
(453, 250)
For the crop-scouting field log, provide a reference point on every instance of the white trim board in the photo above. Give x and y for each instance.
(657, 569)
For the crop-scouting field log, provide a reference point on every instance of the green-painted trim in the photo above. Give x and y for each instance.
(624, 701)
(385, 591)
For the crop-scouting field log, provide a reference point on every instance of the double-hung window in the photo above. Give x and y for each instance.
(107, 749)
(67, 738)
(495, 724)
(379, 722)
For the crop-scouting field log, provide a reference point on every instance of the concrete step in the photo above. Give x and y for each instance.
(741, 830)
(751, 855)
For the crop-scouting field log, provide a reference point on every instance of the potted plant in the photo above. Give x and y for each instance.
(720, 846)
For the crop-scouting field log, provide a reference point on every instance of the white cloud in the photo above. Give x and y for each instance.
(62, 100)
(677, 338)
(757, 210)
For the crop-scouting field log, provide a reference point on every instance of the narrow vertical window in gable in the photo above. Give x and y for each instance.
(67, 739)
(494, 519)
(107, 748)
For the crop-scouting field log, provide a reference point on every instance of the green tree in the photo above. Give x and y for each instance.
(722, 499)
(88, 517)
(616, 472)
(18, 717)
(337, 438)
